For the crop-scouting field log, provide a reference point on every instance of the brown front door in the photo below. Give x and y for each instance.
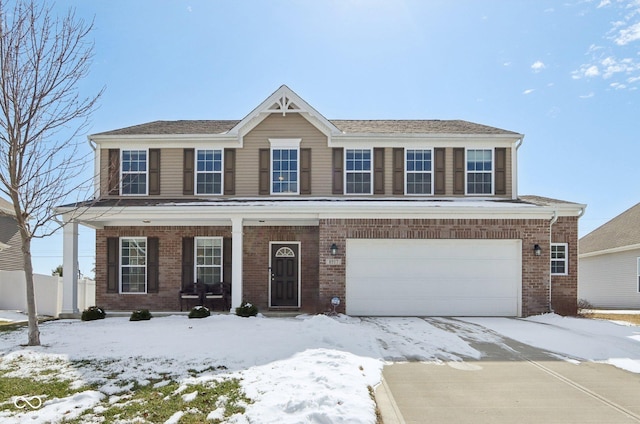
(284, 274)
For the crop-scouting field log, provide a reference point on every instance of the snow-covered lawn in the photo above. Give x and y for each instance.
(314, 369)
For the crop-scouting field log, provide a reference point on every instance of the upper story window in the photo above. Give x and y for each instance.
(285, 165)
(209, 172)
(358, 171)
(479, 171)
(133, 265)
(418, 173)
(134, 172)
(284, 171)
(208, 259)
(559, 254)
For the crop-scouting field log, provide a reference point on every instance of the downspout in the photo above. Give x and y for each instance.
(554, 219)
(96, 167)
(514, 165)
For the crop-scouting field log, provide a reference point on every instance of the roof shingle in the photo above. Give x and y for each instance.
(381, 126)
(623, 230)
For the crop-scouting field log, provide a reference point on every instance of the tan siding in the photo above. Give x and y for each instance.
(171, 173)
(278, 126)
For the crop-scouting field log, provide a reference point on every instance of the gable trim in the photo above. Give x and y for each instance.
(609, 251)
(283, 101)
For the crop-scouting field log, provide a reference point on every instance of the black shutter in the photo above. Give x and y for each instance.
(114, 172)
(229, 171)
(264, 168)
(153, 265)
(188, 177)
(305, 171)
(501, 170)
(458, 170)
(398, 170)
(439, 168)
(154, 171)
(113, 263)
(378, 171)
(338, 166)
(187, 262)
(226, 260)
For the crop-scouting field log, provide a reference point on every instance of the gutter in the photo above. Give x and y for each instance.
(554, 219)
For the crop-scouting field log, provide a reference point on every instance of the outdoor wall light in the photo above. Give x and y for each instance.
(334, 249)
(537, 250)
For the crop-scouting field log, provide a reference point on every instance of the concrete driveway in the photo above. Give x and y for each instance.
(512, 383)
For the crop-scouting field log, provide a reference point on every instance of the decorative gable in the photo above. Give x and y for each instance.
(284, 101)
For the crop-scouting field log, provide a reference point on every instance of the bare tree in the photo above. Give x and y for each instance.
(42, 113)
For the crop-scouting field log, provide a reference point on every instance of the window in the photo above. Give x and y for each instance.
(284, 171)
(134, 172)
(358, 171)
(208, 260)
(133, 268)
(209, 172)
(418, 171)
(479, 171)
(559, 258)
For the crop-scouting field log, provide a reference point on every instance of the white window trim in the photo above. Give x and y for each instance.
(289, 193)
(221, 172)
(406, 172)
(146, 173)
(565, 260)
(146, 263)
(195, 257)
(466, 172)
(344, 177)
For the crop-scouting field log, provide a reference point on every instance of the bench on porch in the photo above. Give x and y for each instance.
(205, 294)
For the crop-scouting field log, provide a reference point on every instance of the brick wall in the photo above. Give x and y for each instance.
(170, 270)
(321, 281)
(564, 288)
(535, 269)
(255, 259)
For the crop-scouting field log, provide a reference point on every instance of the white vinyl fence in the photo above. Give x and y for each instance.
(13, 294)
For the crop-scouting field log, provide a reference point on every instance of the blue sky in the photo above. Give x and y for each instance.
(566, 74)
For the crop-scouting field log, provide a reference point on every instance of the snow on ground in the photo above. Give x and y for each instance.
(304, 369)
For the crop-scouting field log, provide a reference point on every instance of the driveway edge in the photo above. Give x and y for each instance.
(387, 405)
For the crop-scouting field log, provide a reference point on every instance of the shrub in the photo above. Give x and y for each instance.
(247, 310)
(199, 312)
(92, 313)
(141, 315)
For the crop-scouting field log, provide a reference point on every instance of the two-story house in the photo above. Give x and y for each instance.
(393, 217)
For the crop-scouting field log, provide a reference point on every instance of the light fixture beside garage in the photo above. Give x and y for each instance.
(334, 249)
(537, 250)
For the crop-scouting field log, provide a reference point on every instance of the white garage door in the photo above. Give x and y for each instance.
(433, 277)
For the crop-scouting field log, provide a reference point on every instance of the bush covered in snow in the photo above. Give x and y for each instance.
(141, 315)
(247, 310)
(93, 313)
(199, 312)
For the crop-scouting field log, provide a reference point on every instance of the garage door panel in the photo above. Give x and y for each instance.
(434, 277)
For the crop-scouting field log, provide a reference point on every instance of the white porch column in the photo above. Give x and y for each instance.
(70, 269)
(236, 263)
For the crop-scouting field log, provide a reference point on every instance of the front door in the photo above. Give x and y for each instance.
(285, 278)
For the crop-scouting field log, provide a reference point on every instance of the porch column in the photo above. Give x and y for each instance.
(70, 270)
(236, 263)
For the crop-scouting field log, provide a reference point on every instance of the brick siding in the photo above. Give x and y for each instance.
(321, 281)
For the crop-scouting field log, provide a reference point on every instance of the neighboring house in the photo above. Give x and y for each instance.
(10, 241)
(610, 263)
(393, 217)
